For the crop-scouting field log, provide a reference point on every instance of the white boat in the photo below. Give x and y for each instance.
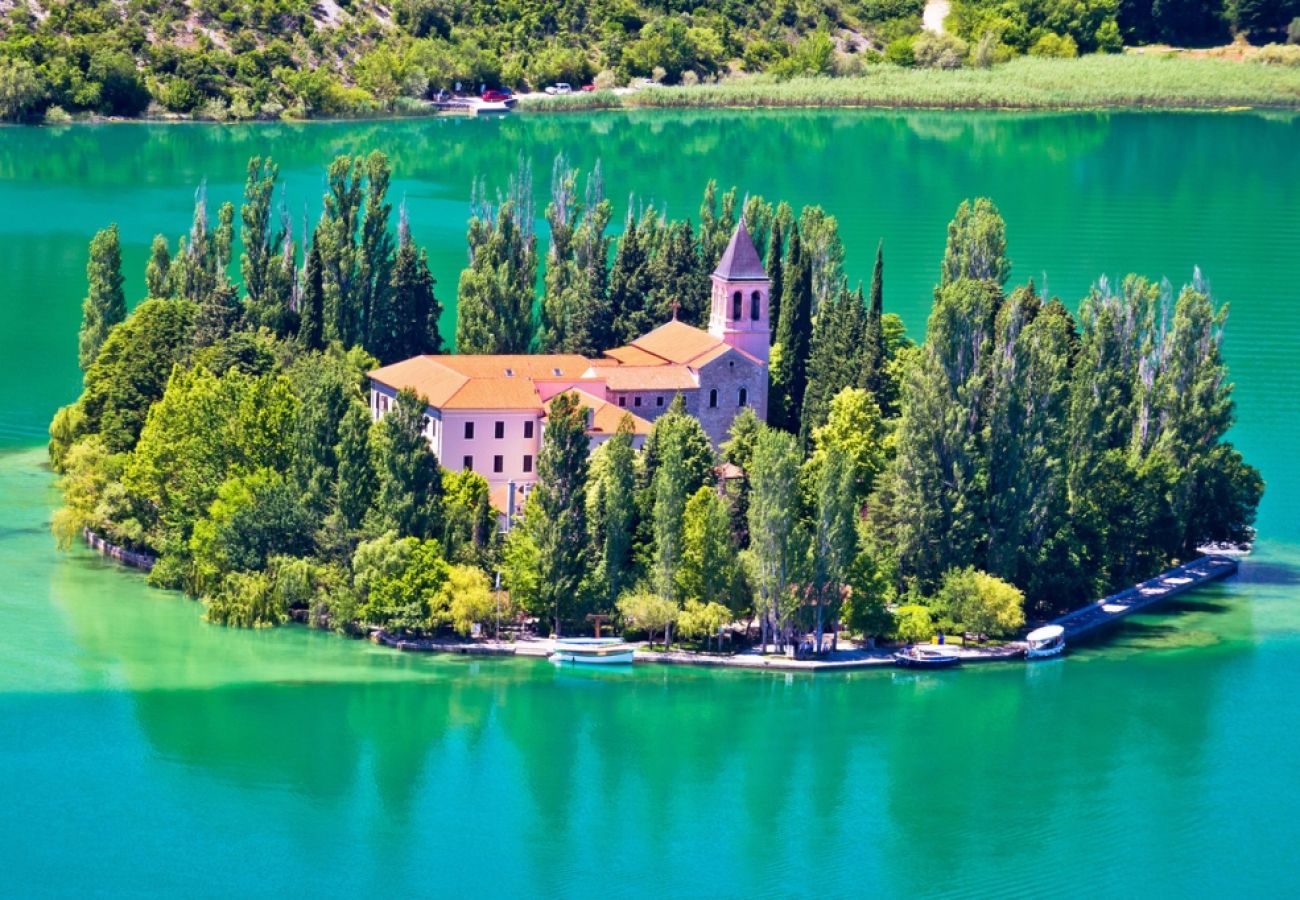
(1044, 642)
(592, 651)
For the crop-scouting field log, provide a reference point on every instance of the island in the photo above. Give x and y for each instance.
(699, 427)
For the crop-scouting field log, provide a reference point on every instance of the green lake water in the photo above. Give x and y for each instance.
(142, 751)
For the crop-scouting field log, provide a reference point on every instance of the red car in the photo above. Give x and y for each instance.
(588, 87)
(495, 96)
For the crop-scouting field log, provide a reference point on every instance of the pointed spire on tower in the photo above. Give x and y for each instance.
(740, 261)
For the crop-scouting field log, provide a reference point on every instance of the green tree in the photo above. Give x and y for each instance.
(21, 92)
(105, 303)
(874, 376)
(156, 273)
(702, 621)
(466, 595)
(556, 516)
(611, 500)
(496, 292)
(835, 360)
(417, 308)
(413, 598)
(410, 480)
(356, 484)
(775, 541)
(977, 245)
(336, 242)
(649, 612)
(131, 370)
(774, 262)
(381, 328)
(259, 243)
(311, 327)
(708, 565)
(789, 372)
(629, 285)
(593, 321)
(982, 603)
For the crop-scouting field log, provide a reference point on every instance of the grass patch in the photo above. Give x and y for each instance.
(1090, 82)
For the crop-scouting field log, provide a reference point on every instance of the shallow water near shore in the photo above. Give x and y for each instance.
(143, 751)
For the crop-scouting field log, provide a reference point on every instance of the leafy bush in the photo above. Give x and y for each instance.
(939, 51)
(1054, 45)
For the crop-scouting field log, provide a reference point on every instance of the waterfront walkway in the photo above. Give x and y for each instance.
(1088, 619)
(1081, 623)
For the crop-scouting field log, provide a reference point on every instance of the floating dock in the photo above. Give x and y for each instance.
(1089, 619)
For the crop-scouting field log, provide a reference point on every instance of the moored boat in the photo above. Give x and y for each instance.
(592, 651)
(1045, 642)
(925, 657)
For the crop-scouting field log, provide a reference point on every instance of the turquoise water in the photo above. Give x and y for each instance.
(142, 751)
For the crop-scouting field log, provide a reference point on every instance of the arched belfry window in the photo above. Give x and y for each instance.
(743, 399)
(753, 305)
(713, 398)
(735, 305)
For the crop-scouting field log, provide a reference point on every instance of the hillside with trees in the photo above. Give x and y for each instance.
(1023, 459)
(246, 59)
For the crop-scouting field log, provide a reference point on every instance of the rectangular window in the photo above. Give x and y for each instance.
(528, 463)
(469, 430)
(528, 429)
(636, 401)
(498, 464)
(468, 464)
(659, 401)
(622, 401)
(500, 430)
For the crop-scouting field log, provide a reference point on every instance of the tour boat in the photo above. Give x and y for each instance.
(926, 656)
(592, 651)
(1044, 642)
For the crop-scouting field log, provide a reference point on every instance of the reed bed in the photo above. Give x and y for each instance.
(1126, 81)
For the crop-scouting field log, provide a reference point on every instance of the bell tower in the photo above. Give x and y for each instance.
(741, 289)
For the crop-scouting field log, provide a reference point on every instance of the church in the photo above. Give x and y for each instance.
(487, 412)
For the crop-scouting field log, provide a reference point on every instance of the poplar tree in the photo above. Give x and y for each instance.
(824, 253)
(157, 281)
(494, 312)
(410, 480)
(556, 514)
(977, 245)
(789, 372)
(776, 545)
(614, 508)
(563, 293)
(260, 246)
(669, 488)
(335, 241)
(593, 325)
(707, 569)
(380, 327)
(105, 303)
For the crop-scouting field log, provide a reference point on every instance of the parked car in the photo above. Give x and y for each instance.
(560, 88)
(588, 87)
(496, 96)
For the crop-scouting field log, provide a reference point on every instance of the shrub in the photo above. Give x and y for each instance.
(1052, 44)
(21, 91)
(605, 80)
(1293, 31)
(939, 51)
(1278, 55)
(899, 52)
(57, 115)
(1108, 37)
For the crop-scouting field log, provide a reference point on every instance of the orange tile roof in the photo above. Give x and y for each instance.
(605, 416)
(480, 382)
(649, 378)
(631, 356)
(677, 342)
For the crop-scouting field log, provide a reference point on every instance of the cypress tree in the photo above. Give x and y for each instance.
(790, 372)
(593, 325)
(629, 285)
(105, 303)
(834, 358)
(157, 281)
(311, 327)
(776, 275)
(354, 491)
(415, 306)
(670, 494)
(617, 509)
(336, 241)
(494, 311)
(873, 375)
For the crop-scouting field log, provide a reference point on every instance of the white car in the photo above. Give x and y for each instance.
(560, 88)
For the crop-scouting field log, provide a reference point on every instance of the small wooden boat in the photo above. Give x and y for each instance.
(925, 657)
(1045, 642)
(592, 651)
